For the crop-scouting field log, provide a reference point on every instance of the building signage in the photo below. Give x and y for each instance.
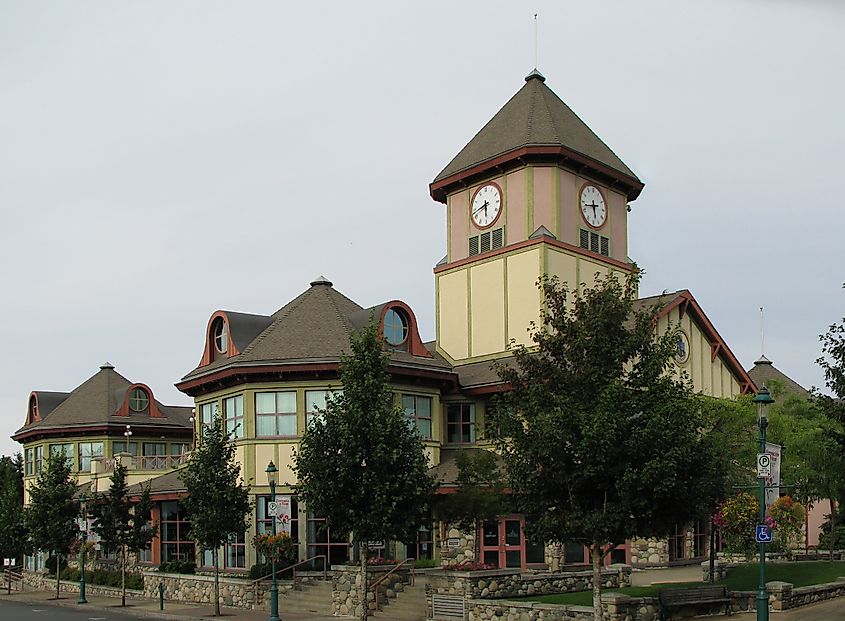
(453, 542)
(773, 478)
(9, 562)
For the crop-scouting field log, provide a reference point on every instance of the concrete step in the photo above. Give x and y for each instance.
(408, 605)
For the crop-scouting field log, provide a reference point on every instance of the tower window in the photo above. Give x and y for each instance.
(395, 327)
(138, 400)
(588, 240)
(487, 241)
(221, 335)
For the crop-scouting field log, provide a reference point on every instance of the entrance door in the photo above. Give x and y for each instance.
(503, 542)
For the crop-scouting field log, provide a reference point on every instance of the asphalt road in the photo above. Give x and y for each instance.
(14, 611)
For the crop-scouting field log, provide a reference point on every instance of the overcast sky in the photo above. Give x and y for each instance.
(160, 160)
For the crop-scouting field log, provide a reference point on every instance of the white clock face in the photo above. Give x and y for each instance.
(486, 205)
(592, 206)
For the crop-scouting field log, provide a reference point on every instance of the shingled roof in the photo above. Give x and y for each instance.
(95, 402)
(536, 117)
(763, 372)
(313, 327)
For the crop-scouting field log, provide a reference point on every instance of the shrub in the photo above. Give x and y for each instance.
(736, 518)
(788, 517)
(426, 563)
(50, 564)
(104, 577)
(178, 567)
(265, 570)
(824, 537)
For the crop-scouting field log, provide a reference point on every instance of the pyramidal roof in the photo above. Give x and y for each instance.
(535, 117)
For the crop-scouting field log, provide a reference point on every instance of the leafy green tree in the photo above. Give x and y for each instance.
(601, 438)
(832, 363)
(120, 525)
(50, 518)
(480, 491)
(359, 464)
(13, 539)
(217, 501)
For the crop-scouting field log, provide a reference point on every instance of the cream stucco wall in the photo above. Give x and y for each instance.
(709, 375)
(453, 313)
(487, 311)
(523, 296)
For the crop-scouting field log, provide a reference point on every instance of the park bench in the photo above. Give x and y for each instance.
(683, 597)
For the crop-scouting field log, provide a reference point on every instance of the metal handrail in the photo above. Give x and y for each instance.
(388, 574)
(308, 560)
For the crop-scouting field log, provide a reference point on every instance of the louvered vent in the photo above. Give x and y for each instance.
(473, 245)
(594, 242)
(485, 242)
(490, 240)
(448, 608)
(498, 238)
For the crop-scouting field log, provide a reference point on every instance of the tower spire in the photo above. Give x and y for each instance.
(536, 44)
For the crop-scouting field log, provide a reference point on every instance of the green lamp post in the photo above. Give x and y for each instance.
(274, 588)
(763, 401)
(83, 509)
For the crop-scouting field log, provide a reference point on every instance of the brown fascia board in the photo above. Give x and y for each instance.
(99, 428)
(573, 160)
(198, 385)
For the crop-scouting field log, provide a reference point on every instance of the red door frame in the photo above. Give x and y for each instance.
(502, 547)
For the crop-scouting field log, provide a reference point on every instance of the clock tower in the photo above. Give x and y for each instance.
(534, 192)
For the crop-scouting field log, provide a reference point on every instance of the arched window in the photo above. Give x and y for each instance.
(33, 409)
(395, 327)
(139, 400)
(221, 335)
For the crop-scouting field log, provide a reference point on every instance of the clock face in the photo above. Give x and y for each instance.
(486, 205)
(593, 207)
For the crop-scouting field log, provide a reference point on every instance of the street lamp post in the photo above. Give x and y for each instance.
(763, 400)
(274, 588)
(82, 599)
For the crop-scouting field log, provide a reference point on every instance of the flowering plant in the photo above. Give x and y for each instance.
(736, 518)
(378, 560)
(275, 547)
(788, 515)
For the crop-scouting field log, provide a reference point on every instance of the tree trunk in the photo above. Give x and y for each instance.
(365, 588)
(123, 577)
(807, 528)
(596, 555)
(59, 571)
(216, 584)
(712, 553)
(832, 527)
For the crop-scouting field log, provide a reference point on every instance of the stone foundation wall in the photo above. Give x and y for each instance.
(192, 588)
(646, 552)
(457, 547)
(347, 596)
(504, 583)
(46, 583)
(616, 607)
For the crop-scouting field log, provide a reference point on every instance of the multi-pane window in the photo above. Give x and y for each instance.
(315, 403)
(180, 450)
(418, 414)
(124, 447)
(395, 327)
(423, 546)
(460, 423)
(275, 414)
(63, 449)
(87, 451)
(264, 523)
(236, 551)
(233, 410)
(39, 458)
(208, 413)
(29, 461)
(154, 456)
(321, 541)
(176, 542)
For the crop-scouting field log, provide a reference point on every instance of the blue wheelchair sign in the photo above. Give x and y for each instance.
(763, 534)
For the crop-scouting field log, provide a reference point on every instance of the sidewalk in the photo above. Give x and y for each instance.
(150, 608)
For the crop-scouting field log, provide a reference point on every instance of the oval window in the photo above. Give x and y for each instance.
(138, 400)
(395, 327)
(221, 336)
(682, 348)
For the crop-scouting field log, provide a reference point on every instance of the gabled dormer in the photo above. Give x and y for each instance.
(397, 325)
(136, 400)
(229, 333)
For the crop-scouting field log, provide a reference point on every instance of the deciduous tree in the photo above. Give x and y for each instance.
(360, 465)
(217, 502)
(13, 539)
(51, 515)
(602, 438)
(120, 525)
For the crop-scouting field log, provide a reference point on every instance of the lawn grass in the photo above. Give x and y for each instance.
(742, 578)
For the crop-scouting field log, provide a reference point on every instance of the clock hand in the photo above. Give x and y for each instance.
(484, 207)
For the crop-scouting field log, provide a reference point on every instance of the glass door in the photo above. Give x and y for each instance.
(503, 542)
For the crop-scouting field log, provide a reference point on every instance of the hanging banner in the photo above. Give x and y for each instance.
(283, 513)
(773, 480)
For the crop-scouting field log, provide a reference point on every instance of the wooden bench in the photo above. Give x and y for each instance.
(674, 598)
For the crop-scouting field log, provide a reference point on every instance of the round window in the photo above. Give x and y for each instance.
(221, 336)
(395, 327)
(138, 400)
